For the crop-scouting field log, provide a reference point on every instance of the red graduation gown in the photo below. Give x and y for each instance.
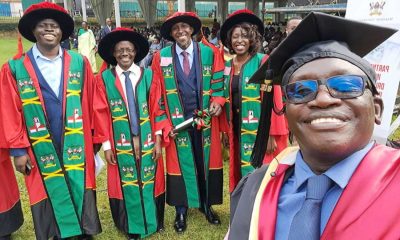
(367, 209)
(12, 119)
(11, 217)
(172, 163)
(103, 132)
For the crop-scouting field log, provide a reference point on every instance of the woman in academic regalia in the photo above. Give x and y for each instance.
(242, 33)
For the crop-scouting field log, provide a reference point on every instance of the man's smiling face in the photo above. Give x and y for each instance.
(331, 126)
(182, 34)
(47, 33)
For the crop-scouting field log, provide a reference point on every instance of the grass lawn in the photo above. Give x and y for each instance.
(198, 227)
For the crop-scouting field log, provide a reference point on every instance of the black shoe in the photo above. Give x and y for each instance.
(85, 237)
(160, 228)
(133, 236)
(211, 216)
(201, 209)
(180, 223)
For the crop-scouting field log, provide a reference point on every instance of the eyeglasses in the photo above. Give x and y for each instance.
(122, 50)
(341, 86)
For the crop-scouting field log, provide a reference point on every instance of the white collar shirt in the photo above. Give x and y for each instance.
(51, 69)
(134, 76)
(189, 50)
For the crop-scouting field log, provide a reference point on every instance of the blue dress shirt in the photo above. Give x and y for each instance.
(293, 192)
(51, 69)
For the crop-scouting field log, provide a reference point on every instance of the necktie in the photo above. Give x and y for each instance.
(130, 95)
(306, 223)
(186, 65)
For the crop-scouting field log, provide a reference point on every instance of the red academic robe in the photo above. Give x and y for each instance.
(367, 209)
(279, 130)
(172, 163)
(10, 205)
(12, 119)
(103, 131)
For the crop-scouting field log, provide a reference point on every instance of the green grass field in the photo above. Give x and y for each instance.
(198, 227)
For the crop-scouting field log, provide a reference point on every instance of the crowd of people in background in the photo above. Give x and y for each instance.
(275, 33)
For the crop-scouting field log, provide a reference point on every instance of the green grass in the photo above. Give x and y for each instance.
(197, 225)
(8, 48)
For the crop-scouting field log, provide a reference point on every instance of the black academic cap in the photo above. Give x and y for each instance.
(322, 35)
(319, 35)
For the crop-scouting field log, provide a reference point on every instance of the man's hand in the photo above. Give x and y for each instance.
(157, 151)
(215, 109)
(172, 134)
(21, 163)
(110, 158)
(271, 146)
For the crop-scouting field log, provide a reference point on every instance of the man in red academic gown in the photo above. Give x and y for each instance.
(122, 108)
(11, 217)
(46, 109)
(190, 75)
(339, 184)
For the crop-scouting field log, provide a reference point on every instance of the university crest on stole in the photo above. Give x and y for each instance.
(116, 105)
(207, 70)
(149, 171)
(74, 77)
(26, 85)
(247, 149)
(127, 172)
(74, 152)
(48, 160)
(182, 141)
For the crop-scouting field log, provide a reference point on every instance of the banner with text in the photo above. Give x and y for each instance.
(385, 59)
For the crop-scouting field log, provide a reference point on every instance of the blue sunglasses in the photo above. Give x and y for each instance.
(341, 86)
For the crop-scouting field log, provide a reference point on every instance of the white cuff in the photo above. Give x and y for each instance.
(106, 145)
(159, 132)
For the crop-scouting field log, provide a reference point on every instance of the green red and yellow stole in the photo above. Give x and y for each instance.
(250, 108)
(137, 177)
(212, 85)
(64, 179)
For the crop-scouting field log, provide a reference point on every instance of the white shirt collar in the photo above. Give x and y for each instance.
(36, 53)
(135, 70)
(189, 50)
